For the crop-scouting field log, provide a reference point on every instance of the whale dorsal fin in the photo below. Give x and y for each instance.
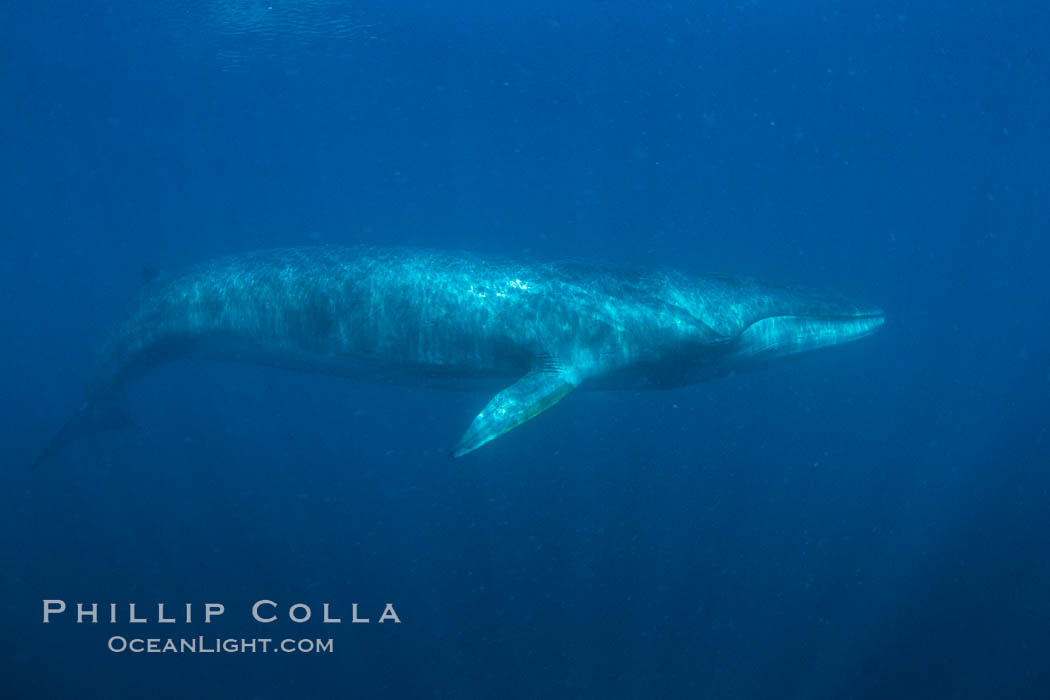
(520, 402)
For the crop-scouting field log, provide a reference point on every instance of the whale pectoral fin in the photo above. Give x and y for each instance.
(520, 402)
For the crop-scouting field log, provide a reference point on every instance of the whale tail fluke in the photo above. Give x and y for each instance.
(93, 417)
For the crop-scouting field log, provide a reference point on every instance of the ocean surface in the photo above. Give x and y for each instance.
(871, 521)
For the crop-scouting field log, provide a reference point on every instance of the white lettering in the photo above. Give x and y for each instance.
(53, 606)
(389, 614)
(82, 613)
(213, 610)
(291, 613)
(258, 604)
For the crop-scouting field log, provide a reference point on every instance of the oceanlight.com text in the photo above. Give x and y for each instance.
(218, 645)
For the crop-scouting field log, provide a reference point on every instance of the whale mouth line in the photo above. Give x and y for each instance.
(877, 316)
(852, 316)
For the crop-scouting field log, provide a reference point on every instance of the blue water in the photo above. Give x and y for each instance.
(871, 522)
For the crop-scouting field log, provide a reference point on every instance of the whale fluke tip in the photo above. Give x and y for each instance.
(91, 418)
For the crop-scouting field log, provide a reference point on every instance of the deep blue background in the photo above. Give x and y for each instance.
(871, 522)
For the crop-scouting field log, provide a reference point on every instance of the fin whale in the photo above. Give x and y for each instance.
(538, 330)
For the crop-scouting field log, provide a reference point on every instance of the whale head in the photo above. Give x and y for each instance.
(804, 323)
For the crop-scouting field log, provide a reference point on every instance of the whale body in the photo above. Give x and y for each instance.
(534, 332)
